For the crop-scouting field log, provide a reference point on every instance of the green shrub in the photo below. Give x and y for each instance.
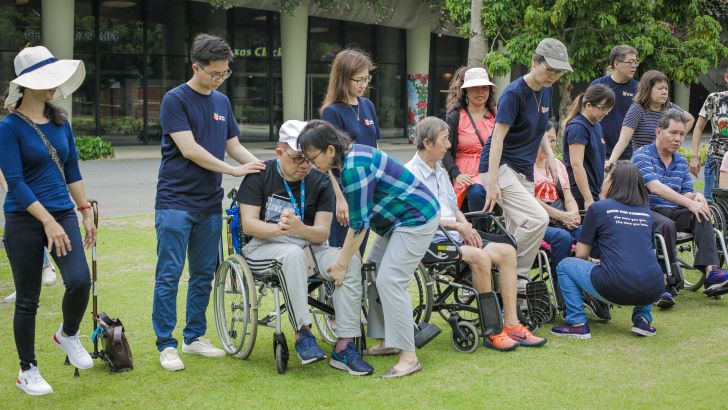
(93, 148)
(702, 154)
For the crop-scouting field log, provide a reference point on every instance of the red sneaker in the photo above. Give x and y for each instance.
(523, 336)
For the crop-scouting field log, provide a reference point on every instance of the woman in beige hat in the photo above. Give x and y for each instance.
(40, 164)
(471, 118)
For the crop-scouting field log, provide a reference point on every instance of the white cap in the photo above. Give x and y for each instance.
(476, 77)
(289, 132)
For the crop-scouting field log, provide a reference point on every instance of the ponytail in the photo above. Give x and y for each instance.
(576, 108)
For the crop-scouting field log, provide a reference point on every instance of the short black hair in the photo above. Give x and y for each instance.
(627, 185)
(207, 48)
(320, 134)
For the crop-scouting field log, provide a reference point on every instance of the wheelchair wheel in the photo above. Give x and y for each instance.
(236, 306)
(524, 314)
(420, 290)
(470, 339)
(693, 278)
(325, 323)
(281, 352)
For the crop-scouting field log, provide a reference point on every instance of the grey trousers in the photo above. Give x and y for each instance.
(294, 283)
(390, 305)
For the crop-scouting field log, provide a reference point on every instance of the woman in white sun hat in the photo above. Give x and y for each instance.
(40, 164)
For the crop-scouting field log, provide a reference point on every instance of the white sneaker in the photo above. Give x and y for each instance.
(202, 347)
(31, 382)
(77, 354)
(9, 298)
(49, 275)
(169, 359)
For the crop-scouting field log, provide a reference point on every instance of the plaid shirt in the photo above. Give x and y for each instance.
(382, 194)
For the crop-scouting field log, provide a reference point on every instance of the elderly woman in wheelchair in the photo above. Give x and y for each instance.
(287, 210)
(431, 136)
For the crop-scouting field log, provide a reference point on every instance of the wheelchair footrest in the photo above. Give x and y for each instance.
(424, 333)
(490, 313)
(539, 302)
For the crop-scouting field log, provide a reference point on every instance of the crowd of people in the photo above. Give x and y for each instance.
(621, 180)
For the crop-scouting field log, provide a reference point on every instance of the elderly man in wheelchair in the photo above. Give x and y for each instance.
(432, 141)
(676, 207)
(287, 210)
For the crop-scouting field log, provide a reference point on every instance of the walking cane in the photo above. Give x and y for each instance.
(94, 288)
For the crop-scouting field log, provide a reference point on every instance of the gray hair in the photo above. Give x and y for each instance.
(428, 129)
(673, 114)
(620, 53)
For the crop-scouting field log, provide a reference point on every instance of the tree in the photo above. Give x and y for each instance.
(672, 36)
(476, 46)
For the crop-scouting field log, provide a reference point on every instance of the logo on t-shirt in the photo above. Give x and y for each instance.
(218, 117)
(723, 127)
(544, 110)
(274, 207)
(368, 122)
(626, 94)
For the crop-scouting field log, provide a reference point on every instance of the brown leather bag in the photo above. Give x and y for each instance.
(115, 348)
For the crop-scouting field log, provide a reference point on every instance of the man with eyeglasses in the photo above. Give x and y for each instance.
(288, 209)
(623, 66)
(198, 129)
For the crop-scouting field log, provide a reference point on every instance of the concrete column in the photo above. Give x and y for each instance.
(418, 76)
(501, 81)
(57, 34)
(682, 95)
(294, 36)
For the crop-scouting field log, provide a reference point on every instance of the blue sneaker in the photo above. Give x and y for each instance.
(642, 328)
(575, 332)
(717, 282)
(349, 360)
(307, 350)
(666, 300)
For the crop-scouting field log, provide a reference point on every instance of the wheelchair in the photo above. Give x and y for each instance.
(469, 314)
(682, 274)
(241, 284)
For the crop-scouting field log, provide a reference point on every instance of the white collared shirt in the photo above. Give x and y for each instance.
(438, 182)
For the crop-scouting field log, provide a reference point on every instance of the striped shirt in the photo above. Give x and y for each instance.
(644, 123)
(676, 175)
(382, 194)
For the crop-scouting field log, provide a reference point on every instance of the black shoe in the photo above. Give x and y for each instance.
(599, 309)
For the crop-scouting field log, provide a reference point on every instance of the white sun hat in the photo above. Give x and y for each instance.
(37, 69)
(289, 132)
(476, 77)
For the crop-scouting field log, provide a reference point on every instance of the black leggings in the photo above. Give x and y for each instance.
(24, 241)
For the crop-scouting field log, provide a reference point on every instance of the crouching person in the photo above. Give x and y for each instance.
(287, 209)
(432, 140)
(621, 227)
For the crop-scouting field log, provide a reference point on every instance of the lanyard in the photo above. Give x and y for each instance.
(298, 211)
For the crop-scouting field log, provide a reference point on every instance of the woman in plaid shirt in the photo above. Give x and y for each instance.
(385, 197)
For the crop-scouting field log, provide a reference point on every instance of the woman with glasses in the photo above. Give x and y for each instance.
(346, 108)
(584, 146)
(506, 163)
(640, 122)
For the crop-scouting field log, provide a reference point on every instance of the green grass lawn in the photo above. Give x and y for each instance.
(685, 365)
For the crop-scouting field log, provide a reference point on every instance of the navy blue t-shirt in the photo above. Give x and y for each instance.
(184, 185)
(629, 273)
(365, 130)
(612, 123)
(527, 113)
(580, 131)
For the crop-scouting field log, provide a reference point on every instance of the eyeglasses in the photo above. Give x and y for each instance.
(217, 76)
(633, 63)
(603, 109)
(312, 159)
(553, 70)
(298, 159)
(362, 81)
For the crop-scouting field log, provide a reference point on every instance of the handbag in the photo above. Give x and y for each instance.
(115, 347)
(51, 149)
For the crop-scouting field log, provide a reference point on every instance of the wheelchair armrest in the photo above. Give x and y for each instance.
(478, 215)
(450, 239)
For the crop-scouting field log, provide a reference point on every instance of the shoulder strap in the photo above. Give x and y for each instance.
(475, 127)
(51, 150)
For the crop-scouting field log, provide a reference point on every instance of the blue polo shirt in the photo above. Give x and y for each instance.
(581, 131)
(182, 184)
(612, 124)
(676, 175)
(363, 130)
(527, 113)
(628, 273)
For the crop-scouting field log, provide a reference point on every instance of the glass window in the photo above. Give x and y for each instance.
(202, 19)
(84, 99)
(19, 24)
(447, 53)
(390, 44)
(323, 40)
(386, 94)
(84, 27)
(251, 34)
(358, 35)
(167, 27)
(121, 97)
(120, 27)
(163, 74)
